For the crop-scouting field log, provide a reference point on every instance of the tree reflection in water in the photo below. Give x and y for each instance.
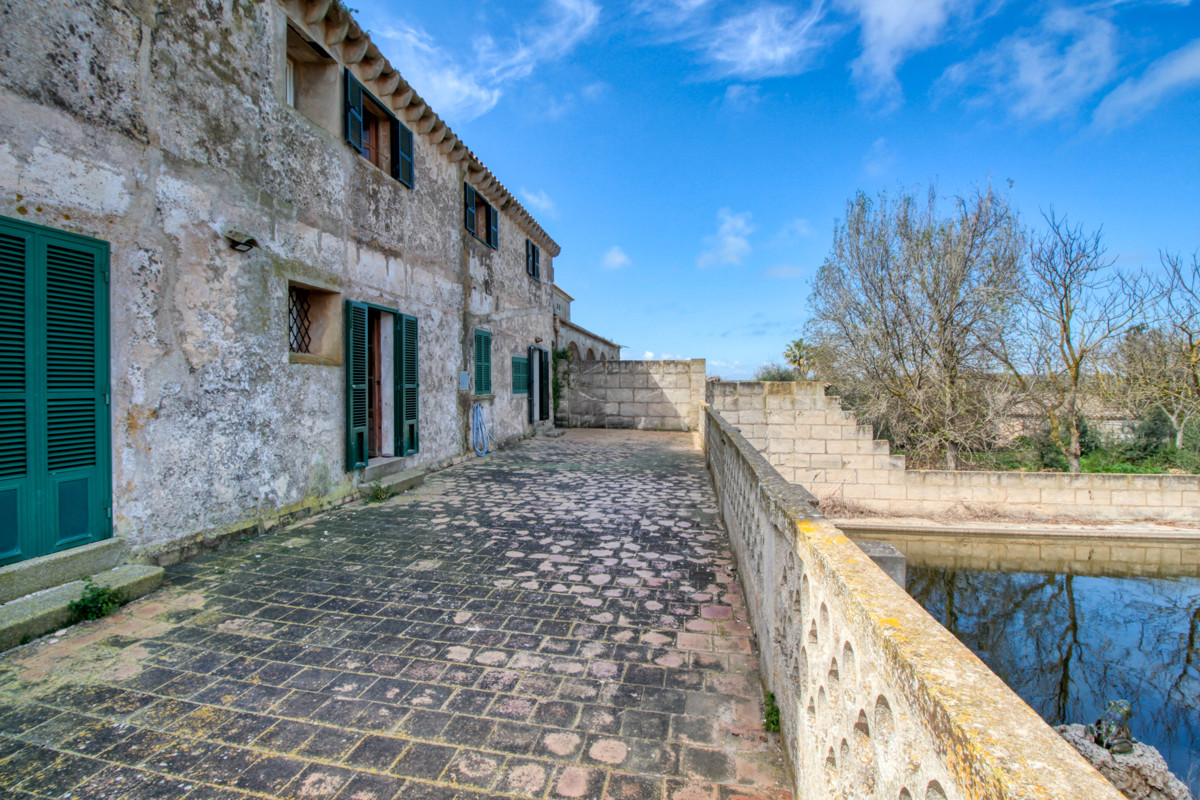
(1069, 644)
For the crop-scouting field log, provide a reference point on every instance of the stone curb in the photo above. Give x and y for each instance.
(38, 614)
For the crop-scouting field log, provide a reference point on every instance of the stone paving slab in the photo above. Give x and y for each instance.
(558, 620)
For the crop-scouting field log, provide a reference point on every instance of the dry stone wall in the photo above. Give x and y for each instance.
(876, 699)
(646, 395)
(812, 441)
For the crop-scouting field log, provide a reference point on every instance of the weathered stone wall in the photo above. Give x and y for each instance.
(813, 442)
(647, 395)
(157, 127)
(876, 699)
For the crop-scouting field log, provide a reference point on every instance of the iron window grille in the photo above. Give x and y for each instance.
(299, 320)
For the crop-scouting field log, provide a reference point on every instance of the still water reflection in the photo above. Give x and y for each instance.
(1069, 644)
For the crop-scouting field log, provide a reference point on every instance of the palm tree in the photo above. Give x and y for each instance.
(800, 356)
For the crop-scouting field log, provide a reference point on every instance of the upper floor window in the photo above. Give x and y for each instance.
(376, 133)
(481, 219)
(533, 259)
(310, 80)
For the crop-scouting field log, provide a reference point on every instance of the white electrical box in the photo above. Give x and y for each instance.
(464, 381)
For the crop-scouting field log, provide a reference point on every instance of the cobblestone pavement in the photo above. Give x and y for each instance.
(557, 620)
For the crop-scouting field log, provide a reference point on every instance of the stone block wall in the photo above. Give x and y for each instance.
(876, 699)
(812, 441)
(646, 395)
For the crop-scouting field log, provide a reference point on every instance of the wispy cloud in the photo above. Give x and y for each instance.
(890, 32)
(1046, 72)
(784, 272)
(764, 42)
(464, 91)
(795, 230)
(768, 40)
(615, 258)
(741, 96)
(539, 201)
(731, 243)
(1173, 73)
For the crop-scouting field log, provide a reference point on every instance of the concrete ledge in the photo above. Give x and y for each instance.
(36, 574)
(398, 482)
(38, 614)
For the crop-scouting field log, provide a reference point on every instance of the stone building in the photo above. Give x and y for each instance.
(241, 260)
(579, 341)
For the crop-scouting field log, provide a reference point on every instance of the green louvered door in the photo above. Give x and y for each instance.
(55, 465)
(408, 387)
(356, 385)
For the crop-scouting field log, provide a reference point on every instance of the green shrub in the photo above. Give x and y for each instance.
(775, 372)
(95, 602)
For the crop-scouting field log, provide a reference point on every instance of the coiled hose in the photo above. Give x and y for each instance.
(481, 437)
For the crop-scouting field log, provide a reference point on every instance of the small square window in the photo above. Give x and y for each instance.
(314, 329)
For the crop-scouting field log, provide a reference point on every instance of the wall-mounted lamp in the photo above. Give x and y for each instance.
(242, 242)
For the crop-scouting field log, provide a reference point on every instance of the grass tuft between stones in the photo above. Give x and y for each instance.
(95, 602)
(770, 713)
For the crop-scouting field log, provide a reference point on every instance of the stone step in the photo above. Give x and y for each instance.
(37, 614)
(396, 482)
(36, 574)
(379, 468)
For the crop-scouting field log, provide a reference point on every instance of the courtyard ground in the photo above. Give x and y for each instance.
(560, 619)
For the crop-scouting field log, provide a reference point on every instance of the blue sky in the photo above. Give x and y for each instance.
(692, 156)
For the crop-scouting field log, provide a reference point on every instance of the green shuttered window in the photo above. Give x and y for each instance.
(533, 258)
(406, 386)
(399, 135)
(480, 218)
(55, 465)
(520, 375)
(483, 362)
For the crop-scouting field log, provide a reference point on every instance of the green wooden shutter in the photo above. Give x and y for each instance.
(534, 366)
(529, 256)
(483, 362)
(537, 267)
(544, 385)
(55, 465)
(493, 227)
(77, 430)
(15, 527)
(356, 385)
(407, 387)
(354, 112)
(402, 153)
(469, 207)
(520, 375)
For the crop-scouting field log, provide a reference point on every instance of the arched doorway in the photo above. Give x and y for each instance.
(591, 354)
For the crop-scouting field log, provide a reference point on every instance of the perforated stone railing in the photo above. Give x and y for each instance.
(877, 700)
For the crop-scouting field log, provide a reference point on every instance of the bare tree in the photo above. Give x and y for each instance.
(1147, 371)
(905, 302)
(1076, 304)
(1181, 315)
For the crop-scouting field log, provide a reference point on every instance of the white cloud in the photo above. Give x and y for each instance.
(539, 201)
(784, 272)
(741, 96)
(464, 91)
(766, 41)
(730, 244)
(615, 258)
(1046, 72)
(1175, 72)
(798, 228)
(891, 31)
(648, 355)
